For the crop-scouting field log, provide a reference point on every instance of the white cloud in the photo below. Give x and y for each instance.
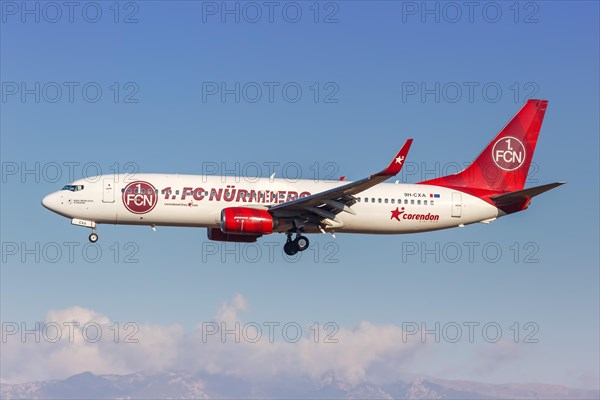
(76, 314)
(359, 351)
(228, 312)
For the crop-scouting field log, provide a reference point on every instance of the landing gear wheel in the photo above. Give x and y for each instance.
(93, 237)
(301, 243)
(290, 248)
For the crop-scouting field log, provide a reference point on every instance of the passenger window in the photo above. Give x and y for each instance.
(372, 199)
(393, 201)
(431, 202)
(122, 190)
(385, 201)
(177, 192)
(425, 202)
(412, 201)
(419, 202)
(405, 201)
(358, 199)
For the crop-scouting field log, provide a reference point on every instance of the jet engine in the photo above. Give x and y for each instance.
(247, 221)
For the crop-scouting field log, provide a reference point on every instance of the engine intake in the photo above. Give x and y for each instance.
(246, 220)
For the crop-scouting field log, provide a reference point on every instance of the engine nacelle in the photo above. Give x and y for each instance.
(216, 234)
(246, 220)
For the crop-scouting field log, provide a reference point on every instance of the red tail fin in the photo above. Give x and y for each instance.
(504, 164)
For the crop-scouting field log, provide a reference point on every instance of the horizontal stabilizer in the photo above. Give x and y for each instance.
(519, 200)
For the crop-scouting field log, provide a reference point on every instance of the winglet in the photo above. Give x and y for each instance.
(398, 161)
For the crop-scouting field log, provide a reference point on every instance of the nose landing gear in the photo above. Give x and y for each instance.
(300, 243)
(93, 237)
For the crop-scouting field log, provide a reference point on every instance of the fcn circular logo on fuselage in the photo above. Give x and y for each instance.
(508, 153)
(140, 197)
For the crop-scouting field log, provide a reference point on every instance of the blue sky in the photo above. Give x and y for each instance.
(363, 63)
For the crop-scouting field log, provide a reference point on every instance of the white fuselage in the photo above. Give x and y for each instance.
(197, 201)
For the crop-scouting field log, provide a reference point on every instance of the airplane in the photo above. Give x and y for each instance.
(492, 186)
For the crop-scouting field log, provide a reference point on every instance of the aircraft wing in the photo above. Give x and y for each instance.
(325, 205)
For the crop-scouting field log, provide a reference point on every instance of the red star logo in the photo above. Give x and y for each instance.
(396, 213)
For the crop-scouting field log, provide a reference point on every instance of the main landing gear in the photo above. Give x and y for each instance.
(300, 243)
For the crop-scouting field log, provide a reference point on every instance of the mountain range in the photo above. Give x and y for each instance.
(182, 385)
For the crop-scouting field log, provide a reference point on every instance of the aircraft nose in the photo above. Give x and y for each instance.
(48, 202)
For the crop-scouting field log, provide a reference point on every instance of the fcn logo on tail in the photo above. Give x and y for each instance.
(508, 153)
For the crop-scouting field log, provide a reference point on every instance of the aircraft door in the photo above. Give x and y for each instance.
(456, 204)
(108, 191)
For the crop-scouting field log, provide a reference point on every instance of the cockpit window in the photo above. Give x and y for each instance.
(73, 188)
